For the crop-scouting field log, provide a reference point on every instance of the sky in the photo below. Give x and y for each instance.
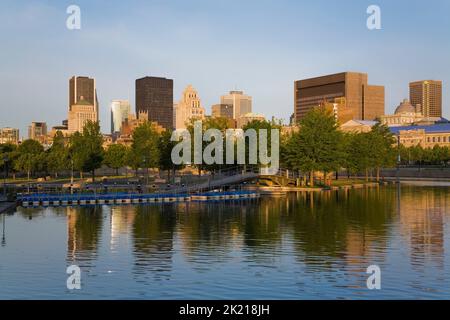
(258, 46)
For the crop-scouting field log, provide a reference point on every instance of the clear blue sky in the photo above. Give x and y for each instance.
(258, 46)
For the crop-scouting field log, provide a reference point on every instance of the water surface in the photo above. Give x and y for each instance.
(304, 246)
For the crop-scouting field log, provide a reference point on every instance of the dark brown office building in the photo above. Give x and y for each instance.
(82, 87)
(155, 96)
(362, 101)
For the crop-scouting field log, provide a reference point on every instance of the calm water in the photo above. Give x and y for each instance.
(299, 247)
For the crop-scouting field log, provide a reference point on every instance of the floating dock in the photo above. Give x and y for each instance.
(54, 200)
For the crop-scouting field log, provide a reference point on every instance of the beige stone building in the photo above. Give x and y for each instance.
(9, 135)
(406, 114)
(243, 120)
(38, 131)
(425, 136)
(79, 113)
(357, 126)
(131, 123)
(188, 108)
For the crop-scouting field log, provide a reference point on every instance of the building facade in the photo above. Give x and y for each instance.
(245, 119)
(425, 136)
(362, 101)
(188, 108)
(130, 124)
(222, 111)
(242, 104)
(154, 95)
(79, 114)
(9, 135)
(83, 87)
(427, 94)
(120, 110)
(38, 131)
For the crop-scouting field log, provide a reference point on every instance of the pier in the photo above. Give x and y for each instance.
(52, 200)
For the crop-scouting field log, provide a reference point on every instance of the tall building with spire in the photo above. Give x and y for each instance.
(188, 108)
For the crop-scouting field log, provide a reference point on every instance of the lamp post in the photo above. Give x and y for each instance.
(5, 164)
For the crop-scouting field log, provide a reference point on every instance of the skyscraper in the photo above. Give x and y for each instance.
(427, 94)
(154, 95)
(241, 103)
(83, 87)
(188, 108)
(362, 101)
(120, 110)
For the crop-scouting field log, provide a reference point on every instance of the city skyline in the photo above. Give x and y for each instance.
(266, 65)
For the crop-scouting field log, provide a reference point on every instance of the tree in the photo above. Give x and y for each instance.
(317, 146)
(57, 155)
(116, 156)
(29, 156)
(219, 123)
(360, 153)
(145, 152)
(165, 147)
(86, 149)
(258, 125)
(381, 146)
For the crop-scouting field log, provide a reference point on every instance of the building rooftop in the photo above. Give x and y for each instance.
(435, 128)
(405, 106)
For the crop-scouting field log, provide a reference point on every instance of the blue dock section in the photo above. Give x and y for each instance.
(45, 200)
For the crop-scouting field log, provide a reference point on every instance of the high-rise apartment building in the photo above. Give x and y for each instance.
(362, 101)
(37, 131)
(427, 94)
(120, 110)
(154, 95)
(242, 104)
(83, 87)
(9, 135)
(188, 108)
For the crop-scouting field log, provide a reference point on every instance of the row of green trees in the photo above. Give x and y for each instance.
(416, 155)
(317, 147)
(84, 152)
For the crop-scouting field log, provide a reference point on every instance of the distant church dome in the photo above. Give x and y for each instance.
(404, 107)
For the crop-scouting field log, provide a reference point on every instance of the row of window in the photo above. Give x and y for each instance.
(438, 139)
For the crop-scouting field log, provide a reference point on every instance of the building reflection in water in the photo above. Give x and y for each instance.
(336, 233)
(153, 231)
(421, 213)
(84, 226)
(121, 220)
